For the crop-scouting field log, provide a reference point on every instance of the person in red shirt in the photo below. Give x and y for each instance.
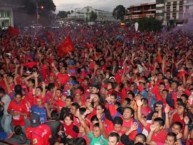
(17, 108)
(36, 133)
(71, 130)
(158, 133)
(128, 120)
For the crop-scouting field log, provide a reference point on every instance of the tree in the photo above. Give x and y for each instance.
(150, 24)
(44, 7)
(62, 14)
(119, 12)
(93, 16)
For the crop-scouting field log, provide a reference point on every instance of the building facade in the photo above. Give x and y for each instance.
(84, 13)
(160, 9)
(141, 11)
(188, 9)
(6, 17)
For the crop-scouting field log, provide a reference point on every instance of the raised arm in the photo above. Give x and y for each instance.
(139, 116)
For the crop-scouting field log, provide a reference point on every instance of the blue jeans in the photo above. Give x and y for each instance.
(6, 123)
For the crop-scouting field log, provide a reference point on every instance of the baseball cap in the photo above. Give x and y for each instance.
(34, 120)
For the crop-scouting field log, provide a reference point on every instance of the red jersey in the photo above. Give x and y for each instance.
(160, 136)
(19, 107)
(39, 135)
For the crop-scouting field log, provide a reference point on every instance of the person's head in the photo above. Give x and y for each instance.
(74, 108)
(155, 115)
(18, 97)
(54, 115)
(18, 89)
(176, 127)
(117, 122)
(58, 93)
(130, 95)
(68, 101)
(113, 138)
(10, 79)
(184, 98)
(113, 97)
(128, 113)
(68, 119)
(100, 108)
(2, 92)
(38, 91)
(95, 98)
(170, 139)
(159, 123)
(126, 102)
(39, 101)
(31, 83)
(181, 108)
(161, 86)
(96, 130)
(18, 130)
(94, 89)
(140, 138)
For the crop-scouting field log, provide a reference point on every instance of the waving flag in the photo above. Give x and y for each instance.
(65, 47)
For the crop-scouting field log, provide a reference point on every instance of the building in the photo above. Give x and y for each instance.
(174, 10)
(83, 14)
(188, 9)
(140, 11)
(160, 9)
(6, 17)
(7, 8)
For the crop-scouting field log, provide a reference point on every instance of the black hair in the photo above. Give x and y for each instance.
(69, 97)
(18, 89)
(118, 120)
(41, 89)
(161, 121)
(17, 130)
(131, 109)
(114, 134)
(128, 100)
(76, 105)
(70, 115)
(50, 86)
(82, 110)
(80, 141)
(2, 91)
(94, 118)
(172, 135)
(185, 96)
(54, 115)
(63, 112)
(141, 135)
(96, 125)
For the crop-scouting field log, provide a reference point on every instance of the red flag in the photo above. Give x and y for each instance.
(65, 47)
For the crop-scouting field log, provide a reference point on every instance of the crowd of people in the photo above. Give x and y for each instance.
(118, 87)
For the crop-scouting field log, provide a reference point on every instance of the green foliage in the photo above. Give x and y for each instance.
(93, 16)
(44, 6)
(62, 14)
(150, 24)
(119, 12)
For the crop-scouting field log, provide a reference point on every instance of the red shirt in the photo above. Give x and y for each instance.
(68, 129)
(19, 107)
(160, 136)
(39, 135)
(127, 124)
